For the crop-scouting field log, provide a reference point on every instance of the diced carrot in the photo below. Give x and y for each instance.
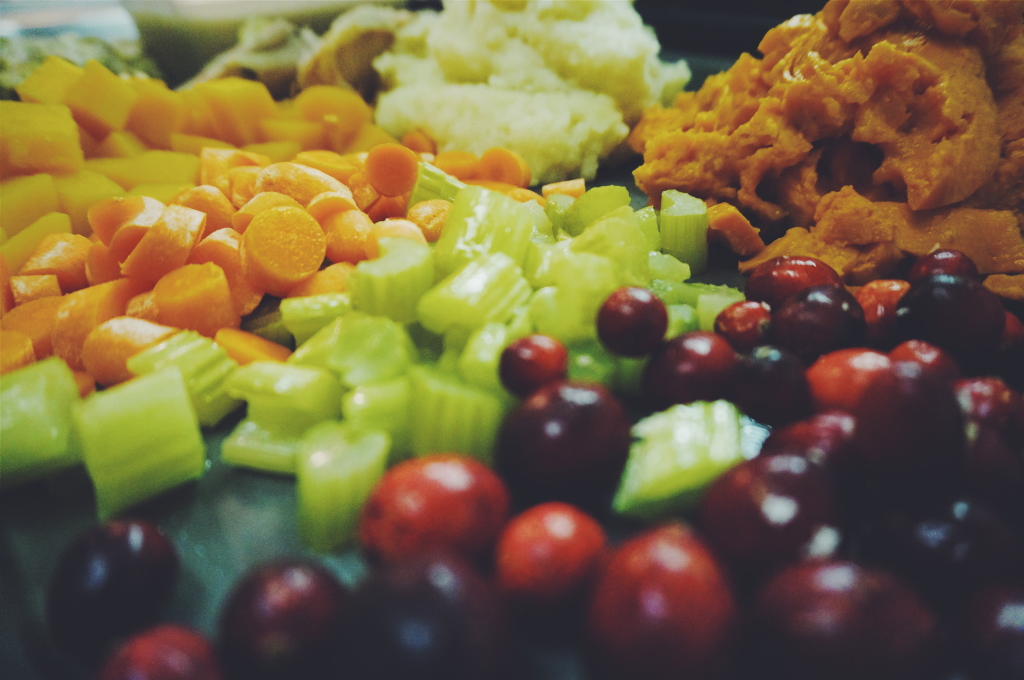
(196, 297)
(332, 163)
(346, 236)
(391, 228)
(420, 142)
(208, 199)
(388, 207)
(16, 350)
(526, 195)
(318, 102)
(100, 265)
(245, 347)
(301, 182)
(504, 165)
(430, 216)
(63, 255)
(35, 319)
(6, 296)
(223, 248)
(367, 137)
(281, 248)
(143, 306)
(241, 184)
(106, 217)
(331, 279)
(214, 163)
(462, 165)
(569, 187)
(34, 286)
(391, 169)
(257, 204)
(331, 203)
(108, 347)
(166, 245)
(83, 310)
(85, 382)
(363, 192)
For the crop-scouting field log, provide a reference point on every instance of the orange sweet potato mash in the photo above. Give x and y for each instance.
(869, 131)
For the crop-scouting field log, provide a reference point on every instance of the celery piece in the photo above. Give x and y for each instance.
(555, 207)
(382, 406)
(541, 228)
(478, 363)
(431, 183)
(204, 365)
(392, 284)
(590, 362)
(688, 293)
(568, 311)
(250, 445)
(681, 319)
(670, 292)
(483, 222)
(370, 349)
(266, 321)
(667, 268)
(520, 325)
(647, 220)
(37, 434)
(677, 454)
(286, 399)
(317, 350)
(618, 237)
(140, 439)
(592, 205)
(446, 414)
(484, 290)
(629, 374)
(542, 262)
(709, 305)
(684, 228)
(336, 469)
(304, 316)
(429, 345)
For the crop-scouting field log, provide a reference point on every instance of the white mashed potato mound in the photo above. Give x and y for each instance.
(559, 81)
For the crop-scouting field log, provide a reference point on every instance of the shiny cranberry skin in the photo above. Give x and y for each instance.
(943, 261)
(932, 358)
(568, 441)
(825, 439)
(775, 280)
(771, 386)
(990, 401)
(879, 299)
(662, 608)
(441, 501)
(838, 620)
(839, 378)
(632, 321)
(113, 580)
(818, 320)
(163, 653)
(995, 471)
(531, 362)
(283, 620)
(995, 632)
(764, 512)
(694, 366)
(744, 324)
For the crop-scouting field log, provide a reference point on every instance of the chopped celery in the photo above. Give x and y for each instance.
(429, 345)
(203, 364)
(592, 205)
(629, 373)
(251, 445)
(520, 325)
(304, 316)
(590, 362)
(647, 220)
(684, 228)
(317, 350)
(140, 439)
(266, 322)
(392, 284)
(618, 237)
(542, 231)
(681, 319)
(478, 363)
(481, 223)
(568, 310)
(336, 469)
(286, 399)
(486, 289)
(670, 292)
(667, 268)
(431, 183)
(370, 349)
(382, 406)
(556, 206)
(37, 434)
(542, 262)
(688, 293)
(709, 305)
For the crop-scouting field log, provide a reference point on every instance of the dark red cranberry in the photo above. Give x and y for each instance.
(838, 620)
(113, 580)
(995, 471)
(1013, 330)
(771, 386)
(818, 320)
(824, 439)
(932, 358)
(164, 653)
(879, 299)
(779, 278)
(632, 321)
(990, 401)
(531, 362)
(745, 324)
(839, 378)
(995, 632)
(694, 366)
(943, 261)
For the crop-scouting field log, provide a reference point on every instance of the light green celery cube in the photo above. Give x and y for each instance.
(710, 305)
(392, 284)
(666, 267)
(629, 373)
(681, 319)
(432, 183)
(543, 261)
(568, 310)
(266, 322)
(541, 228)
(304, 316)
(317, 349)
(286, 399)
(382, 406)
(618, 237)
(647, 220)
(487, 289)
(684, 228)
(478, 363)
(590, 362)
(370, 349)
(556, 207)
(592, 205)
(482, 223)
(252, 446)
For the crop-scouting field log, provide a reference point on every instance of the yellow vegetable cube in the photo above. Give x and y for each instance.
(194, 144)
(307, 133)
(120, 144)
(165, 193)
(151, 167)
(37, 138)
(277, 152)
(18, 248)
(197, 120)
(49, 83)
(78, 192)
(236, 107)
(368, 137)
(157, 112)
(23, 200)
(100, 100)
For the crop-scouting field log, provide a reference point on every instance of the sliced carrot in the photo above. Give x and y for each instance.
(241, 184)
(83, 310)
(331, 203)
(526, 195)
(109, 215)
(569, 187)
(35, 319)
(245, 347)
(16, 350)
(100, 265)
(6, 296)
(166, 245)
(346, 236)
(34, 286)
(430, 216)
(223, 248)
(391, 169)
(504, 165)
(363, 192)
(86, 385)
(108, 347)
(63, 255)
(281, 248)
(329, 102)
(196, 297)
(331, 279)
(301, 182)
(257, 204)
(462, 165)
(329, 162)
(388, 207)
(419, 141)
(215, 163)
(208, 199)
(143, 306)
(388, 229)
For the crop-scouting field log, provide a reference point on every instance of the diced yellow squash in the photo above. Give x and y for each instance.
(120, 144)
(100, 100)
(18, 248)
(307, 133)
(23, 200)
(3, 236)
(151, 167)
(49, 83)
(90, 145)
(158, 112)
(165, 193)
(369, 136)
(198, 120)
(37, 138)
(236, 107)
(277, 152)
(78, 192)
(194, 144)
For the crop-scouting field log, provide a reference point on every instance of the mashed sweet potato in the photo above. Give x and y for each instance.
(871, 130)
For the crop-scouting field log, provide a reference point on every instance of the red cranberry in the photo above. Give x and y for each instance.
(163, 653)
(531, 362)
(632, 321)
(943, 261)
(839, 378)
(933, 359)
(694, 366)
(1013, 331)
(779, 278)
(771, 386)
(879, 300)
(995, 632)
(990, 401)
(824, 439)
(745, 324)
(817, 320)
(995, 471)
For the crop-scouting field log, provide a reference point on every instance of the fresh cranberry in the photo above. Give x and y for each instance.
(995, 632)
(990, 401)
(531, 362)
(1013, 331)
(163, 653)
(632, 321)
(995, 471)
(775, 280)
(745, 324)
(824, 439)
(943, 261)
(838, 379)
(932, 358)
(771, 386)
(818, 320)
(880, 299)
(694, 366)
